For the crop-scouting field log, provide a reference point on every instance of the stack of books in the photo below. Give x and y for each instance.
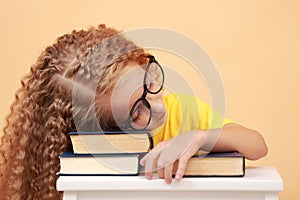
(118, 154)
(105, 153)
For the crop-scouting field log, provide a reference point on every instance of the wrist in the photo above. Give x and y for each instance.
(201, 138)
(211, 138)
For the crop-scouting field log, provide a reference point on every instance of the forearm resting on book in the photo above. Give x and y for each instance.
(234, 137)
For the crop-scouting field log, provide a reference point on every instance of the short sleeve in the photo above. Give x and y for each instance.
(187, 113)
(209, 118)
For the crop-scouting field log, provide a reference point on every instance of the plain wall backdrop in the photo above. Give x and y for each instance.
(254, 44)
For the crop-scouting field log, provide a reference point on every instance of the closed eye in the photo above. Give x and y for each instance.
(136, 113)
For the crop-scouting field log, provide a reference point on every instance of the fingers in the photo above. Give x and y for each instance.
(168, 172)
(149, 162)
(143, 160)
(154, 151)
(181, 168)
(165, 167)
(166, 153)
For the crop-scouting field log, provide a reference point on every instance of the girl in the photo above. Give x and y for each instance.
(99, 74)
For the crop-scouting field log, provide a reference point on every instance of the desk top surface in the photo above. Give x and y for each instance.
(255, 179)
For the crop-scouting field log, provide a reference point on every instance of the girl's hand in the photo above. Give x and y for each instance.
(163, 156)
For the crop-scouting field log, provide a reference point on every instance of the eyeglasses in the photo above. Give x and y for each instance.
(153, 83)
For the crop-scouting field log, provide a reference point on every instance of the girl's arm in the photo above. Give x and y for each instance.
(232, 137)
(247, 142)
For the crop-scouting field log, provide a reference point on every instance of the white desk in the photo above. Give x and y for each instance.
(258, 183)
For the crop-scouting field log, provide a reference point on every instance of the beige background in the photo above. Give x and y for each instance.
(255, 45)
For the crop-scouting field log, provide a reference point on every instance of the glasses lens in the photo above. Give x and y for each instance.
(140, 115)
(154, 78)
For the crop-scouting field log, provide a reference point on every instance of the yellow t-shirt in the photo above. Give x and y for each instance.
(187, 113)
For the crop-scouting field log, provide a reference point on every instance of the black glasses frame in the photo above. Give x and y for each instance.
(145, 92)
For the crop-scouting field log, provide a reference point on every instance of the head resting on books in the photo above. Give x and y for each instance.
(104, 73)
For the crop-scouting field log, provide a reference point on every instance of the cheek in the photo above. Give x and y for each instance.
(158, 118)
(158, 109)
(158, 112)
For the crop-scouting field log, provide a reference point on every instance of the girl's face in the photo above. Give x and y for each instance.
(126, 95)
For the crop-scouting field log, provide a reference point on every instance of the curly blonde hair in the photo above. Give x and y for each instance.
(43, 113)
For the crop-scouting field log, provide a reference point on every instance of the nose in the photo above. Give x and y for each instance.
(157, 109)
(156, 103)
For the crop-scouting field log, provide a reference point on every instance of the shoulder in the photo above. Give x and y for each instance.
(182, 99)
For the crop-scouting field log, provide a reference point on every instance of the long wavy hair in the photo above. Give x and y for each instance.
(43, 113)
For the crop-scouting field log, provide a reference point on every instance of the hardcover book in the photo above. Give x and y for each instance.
(215, 164)
(99, 164)
(111, 142)
(229, 164)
